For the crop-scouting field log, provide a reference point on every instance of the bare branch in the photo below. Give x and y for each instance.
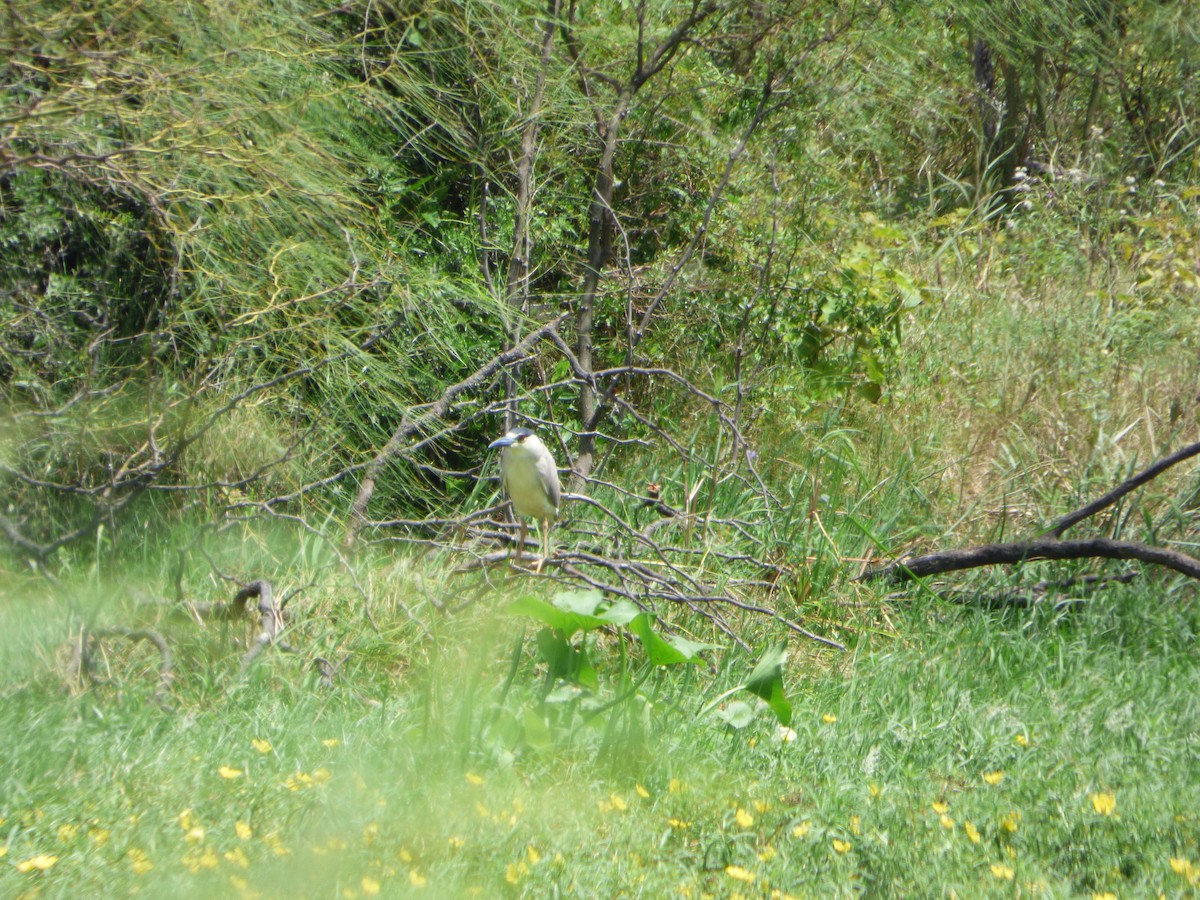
(1036, 549)
(1062, 524)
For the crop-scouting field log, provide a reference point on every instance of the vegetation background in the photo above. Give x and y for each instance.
(792, 287)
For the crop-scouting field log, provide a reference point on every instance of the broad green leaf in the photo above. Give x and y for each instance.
(537, 732)
(737, 714)
(766, 681)
(559, 619)
(690, 649)
(621, 613)
(556, 652)
(659, 651)
(582, 670)
(582, 603)
(564, 693)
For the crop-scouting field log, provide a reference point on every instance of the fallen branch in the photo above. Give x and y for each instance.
(1062, 524)
(1024, 551)
(271, 617)
(84, 661)
(1049, 545)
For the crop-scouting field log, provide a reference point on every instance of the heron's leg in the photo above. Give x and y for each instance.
(521, 539)
(544, 529)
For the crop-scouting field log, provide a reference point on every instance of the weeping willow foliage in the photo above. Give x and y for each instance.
(309, 208)
(201, 198)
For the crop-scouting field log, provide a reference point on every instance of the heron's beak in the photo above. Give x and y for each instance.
(505, 441)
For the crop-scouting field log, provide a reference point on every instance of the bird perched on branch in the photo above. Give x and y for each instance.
(530, 478)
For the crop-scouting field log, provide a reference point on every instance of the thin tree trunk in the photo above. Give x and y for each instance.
(516, 282)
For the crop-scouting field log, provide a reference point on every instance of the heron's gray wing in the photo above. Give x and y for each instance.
(549, 479)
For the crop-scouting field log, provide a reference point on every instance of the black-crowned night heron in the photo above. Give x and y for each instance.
(530, 478)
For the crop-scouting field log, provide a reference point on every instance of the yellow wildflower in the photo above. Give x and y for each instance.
(1009, 821)
(1104, 803)
(642, 792)
(829, 718)
(99, 836)
(875, 790)
(67, 832)
(532, 855)
(139, 861)
(229, 772)
(802, 829)
(679, 823)
(39, 863)
(618, 803)
(331, 742)
(370, 886)
(767, 854)
(1022, 740)
(474, 779)
(243, 830)
(1180, 866)
(238, 857)
(972, 832)
(416, 879)
(1107, 895)
(512, 874)
(947, 822)
(674, 786)
(856, 825)
(841, 846)
(737, 873)
(261, 745)
(1002, 872)
(941, 808)
(744, 819)
(993, 778)
(370, 832)
(455, 842)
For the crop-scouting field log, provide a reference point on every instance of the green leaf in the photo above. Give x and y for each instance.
(583, 603)
(537, 732)
(737, 714)
(556, 652)
(659, 651)
(690, 649)
(766, 681)
(621, 613)
(561, 620)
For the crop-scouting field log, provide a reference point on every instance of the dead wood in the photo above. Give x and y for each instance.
(1050, 545)
(1025, 551)
(269, 615)
(84, 662)
(1101, 503)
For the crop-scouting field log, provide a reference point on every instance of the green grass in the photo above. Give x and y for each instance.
(409, 775)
